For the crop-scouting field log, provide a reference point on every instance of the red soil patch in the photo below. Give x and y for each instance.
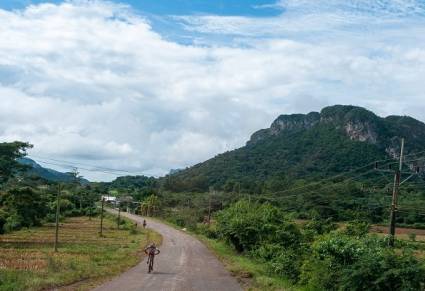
(398, 230)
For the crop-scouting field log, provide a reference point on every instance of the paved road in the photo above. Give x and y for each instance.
(184, 264)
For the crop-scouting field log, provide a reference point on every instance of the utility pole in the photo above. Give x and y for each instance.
(101, 217)
(90, 210)
(57, 217)
(209, 209)
(396, 188)
(119, 216)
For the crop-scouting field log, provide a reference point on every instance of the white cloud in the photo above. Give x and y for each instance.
(92, 82)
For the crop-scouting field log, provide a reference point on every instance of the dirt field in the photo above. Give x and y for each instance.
(27, 259)
(400, 230)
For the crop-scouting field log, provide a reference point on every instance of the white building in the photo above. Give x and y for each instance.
(109, 199)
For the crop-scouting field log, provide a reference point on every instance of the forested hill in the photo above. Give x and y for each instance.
(305, 146)
(35, 169)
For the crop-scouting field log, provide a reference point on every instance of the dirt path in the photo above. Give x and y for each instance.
(184, 264)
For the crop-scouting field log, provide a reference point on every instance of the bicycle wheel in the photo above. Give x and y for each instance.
(150, 266)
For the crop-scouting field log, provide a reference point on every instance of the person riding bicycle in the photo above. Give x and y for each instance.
(151, 251)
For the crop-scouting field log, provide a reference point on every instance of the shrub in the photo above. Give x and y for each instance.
(3, 220)
(248, 225)
(28, 206)
(13, 222)
(282, 261)
(320, 226)
(185, 217)
(385, 270)
(341, 262)
(357, 228)
(209, 230)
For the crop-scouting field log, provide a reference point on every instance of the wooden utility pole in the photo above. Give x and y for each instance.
(101, 217)
(209, 209)
(396, 188)
(57, 217)
(90, 207)
(119, 216)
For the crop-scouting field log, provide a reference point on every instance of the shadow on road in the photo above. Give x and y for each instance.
(162, 273)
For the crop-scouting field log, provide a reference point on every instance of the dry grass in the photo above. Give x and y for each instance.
(27, 259)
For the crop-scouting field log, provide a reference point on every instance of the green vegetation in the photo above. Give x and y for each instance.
(314, 165)
(9, 154)
(273, 164)
(316, 258)
(316, 168)
(27, 200)
(253, 274)
(35, 171)
(266, 250)
(27, 212)
(84, 259)
(318, 165)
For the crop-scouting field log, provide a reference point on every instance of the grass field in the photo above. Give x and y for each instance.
(84, 259)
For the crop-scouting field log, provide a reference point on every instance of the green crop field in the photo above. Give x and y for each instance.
(84, 259)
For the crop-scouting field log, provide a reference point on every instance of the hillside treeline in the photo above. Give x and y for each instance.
(27, 200)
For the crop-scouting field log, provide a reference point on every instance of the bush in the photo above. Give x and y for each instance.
(3, 220)
(357, 228)
(248, 226)
(335, 260)
(74, 212)
(319, 226)
(13, 222)
(209, 230)
(91, 211)
(185, 217)
(385, 270)
(28, 207)
(286, 263)
(341, 262)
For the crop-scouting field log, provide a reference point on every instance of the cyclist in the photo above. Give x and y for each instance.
(151, 251)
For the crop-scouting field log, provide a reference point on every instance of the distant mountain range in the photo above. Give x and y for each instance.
(46, 173)
(306, 146)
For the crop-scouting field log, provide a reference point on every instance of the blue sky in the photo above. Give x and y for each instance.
(148, 86)
(257, 8)
(161, 12)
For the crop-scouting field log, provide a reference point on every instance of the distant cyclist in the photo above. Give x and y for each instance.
(144, 223)
(151, 251)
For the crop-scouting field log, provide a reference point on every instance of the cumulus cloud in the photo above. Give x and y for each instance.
(92, 82)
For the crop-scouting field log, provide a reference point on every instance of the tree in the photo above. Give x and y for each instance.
(150, 205)
(25, 206)
(9, 153)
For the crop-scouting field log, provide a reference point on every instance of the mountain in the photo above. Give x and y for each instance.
(305, 146)
(133, 182)
(46, 173)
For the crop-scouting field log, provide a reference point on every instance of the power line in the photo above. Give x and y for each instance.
(313, 191)
(331, 178)
(330, 186)
(71, 165)
(83, 164)
(417, 213)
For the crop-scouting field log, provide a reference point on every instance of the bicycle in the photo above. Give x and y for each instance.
(151, 251)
